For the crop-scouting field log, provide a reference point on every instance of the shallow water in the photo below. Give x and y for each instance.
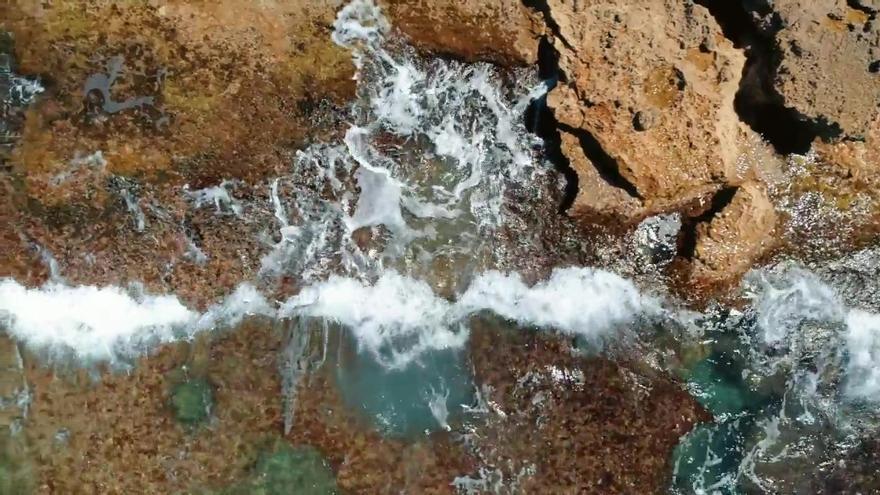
(408, 227)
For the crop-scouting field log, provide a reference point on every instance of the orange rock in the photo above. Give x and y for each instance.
(736, 237)
(828, 62)
(500, 31)
(651, 84)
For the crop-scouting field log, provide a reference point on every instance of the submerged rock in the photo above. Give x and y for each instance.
(16, 470)
(856, 472)
(118, 435)
(192, 402)
(286, 469)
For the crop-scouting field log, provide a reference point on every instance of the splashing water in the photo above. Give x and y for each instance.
(392, 232)
(109, 323)
(420, 176)
(796, 387)
(395, 235)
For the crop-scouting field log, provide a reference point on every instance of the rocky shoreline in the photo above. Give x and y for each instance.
(152, 124)
(648, 120)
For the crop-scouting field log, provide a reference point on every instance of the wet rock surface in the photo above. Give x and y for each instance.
(144, 103)
(500, 31)
(856, 473)
(611, 425)
(84, 430)
(108, 166)
(138, 141)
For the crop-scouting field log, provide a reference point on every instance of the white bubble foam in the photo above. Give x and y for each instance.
(863, 346)
(802, 316)
(95, 323)
(397, 318)
(216, 195)
(578, 301)
(108, 323)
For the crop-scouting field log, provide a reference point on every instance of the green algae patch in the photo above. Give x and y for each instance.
(289, 469)
(283, 470)
(16, 473)
(192, 402)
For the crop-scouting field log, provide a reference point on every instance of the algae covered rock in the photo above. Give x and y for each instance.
(286, 470)
(499, 31)
(16, 473)
(192, 402)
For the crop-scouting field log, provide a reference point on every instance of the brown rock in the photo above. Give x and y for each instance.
(612, 426)
(651, 99)
(118, 435)
(366, 461)
(843, 180)
(597, 196)
(499, 31)
(171, 93)
(828, 70)
(739, 234)
(856, 161)
(855, 472)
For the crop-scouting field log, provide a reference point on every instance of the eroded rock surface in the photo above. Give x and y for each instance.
(731, 241)
(647, 120)
(856, 161)
(500, 31)
(145, 103)
(646, 104)
(828, 53)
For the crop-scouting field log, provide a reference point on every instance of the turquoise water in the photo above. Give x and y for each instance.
(398, 402)
(710, 457)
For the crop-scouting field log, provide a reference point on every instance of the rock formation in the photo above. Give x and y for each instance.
(828, 54)
(739, 234)
(142, 99)
(499, 31)
(645, 105)
(646, 116)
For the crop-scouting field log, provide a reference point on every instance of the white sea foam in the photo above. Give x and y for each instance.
(437, 400)
(578, 301)
(464, 144)
(863, 346)
(245, 301)
(131, 203)
(398, 318)
(784, 301)
(95, 323)
(804, 318)
(801, 334)
(218, 196)
(108, 323)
